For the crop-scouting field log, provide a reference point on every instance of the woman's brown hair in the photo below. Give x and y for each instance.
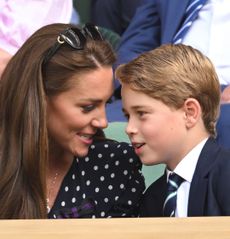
(24, 86)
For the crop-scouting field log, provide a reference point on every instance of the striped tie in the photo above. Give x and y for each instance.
(190, 15)
(174, 183)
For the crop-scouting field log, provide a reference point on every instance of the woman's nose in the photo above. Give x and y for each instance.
(101, 120)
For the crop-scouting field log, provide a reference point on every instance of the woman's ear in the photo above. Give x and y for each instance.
(192, 111)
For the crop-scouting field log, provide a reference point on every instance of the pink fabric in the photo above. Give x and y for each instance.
(20, 18)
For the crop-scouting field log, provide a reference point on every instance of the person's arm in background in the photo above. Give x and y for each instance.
(225, 95)
(143, 34)
(19, 21)
(4, 58)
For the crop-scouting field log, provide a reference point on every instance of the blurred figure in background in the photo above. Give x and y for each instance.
(19, 19)
(114, 14)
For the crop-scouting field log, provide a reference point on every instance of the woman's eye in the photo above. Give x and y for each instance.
(88, 108)
(126, 116)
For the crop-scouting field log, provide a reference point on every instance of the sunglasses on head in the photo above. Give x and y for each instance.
(74, 37)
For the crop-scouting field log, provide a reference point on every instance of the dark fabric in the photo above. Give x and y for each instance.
(209, 193)
(109, 177)
(114, 14)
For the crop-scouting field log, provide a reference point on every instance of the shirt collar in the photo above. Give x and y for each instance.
(187, 165)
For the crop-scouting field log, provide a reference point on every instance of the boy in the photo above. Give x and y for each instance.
(171, 98)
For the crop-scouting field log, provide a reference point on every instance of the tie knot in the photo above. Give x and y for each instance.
(174, 182)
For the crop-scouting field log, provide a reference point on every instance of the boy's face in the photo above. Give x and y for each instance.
(157, 132)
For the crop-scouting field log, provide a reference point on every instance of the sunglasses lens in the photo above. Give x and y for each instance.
(74, 38)
(92, 31)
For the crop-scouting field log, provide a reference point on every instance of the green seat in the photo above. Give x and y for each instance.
(116, 131)
(112, 37)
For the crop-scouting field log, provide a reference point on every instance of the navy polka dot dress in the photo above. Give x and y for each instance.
(106, 183)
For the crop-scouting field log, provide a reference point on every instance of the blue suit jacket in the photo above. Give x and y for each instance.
(210, 189)
(155, 23)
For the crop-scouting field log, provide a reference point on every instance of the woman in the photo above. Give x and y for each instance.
(52, 99)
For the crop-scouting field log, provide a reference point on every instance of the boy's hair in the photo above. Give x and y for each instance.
(172, 74)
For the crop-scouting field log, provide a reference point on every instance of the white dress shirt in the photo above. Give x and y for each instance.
(186, 169)
(210, 33)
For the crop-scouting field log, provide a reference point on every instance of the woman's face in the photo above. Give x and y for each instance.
(75, 115)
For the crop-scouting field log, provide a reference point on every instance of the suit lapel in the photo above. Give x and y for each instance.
(199, 185)
(173, 18)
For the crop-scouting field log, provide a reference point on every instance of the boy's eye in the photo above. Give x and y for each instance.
(88, 108)
(141, 113)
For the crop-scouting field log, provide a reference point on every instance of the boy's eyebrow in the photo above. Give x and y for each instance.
(135, 107)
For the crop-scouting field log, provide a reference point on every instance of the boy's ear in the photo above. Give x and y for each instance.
(192, 111)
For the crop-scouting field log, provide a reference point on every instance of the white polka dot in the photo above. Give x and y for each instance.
(93, 216)
(123, 215)
(102, 178)
(106, 200)
(125, 172)
(110, 187)
(97, 190)
(95, 202)
(78, 188)
(63, 203)
(73, 176)
(116, 198)
(133, 190)
(102, 214)
(106, 166)
(125, 151)
(137, 182)
(54, 216)
(117, 163)
(86, 159)
(122, 186)
(111, 155)
(99, 155)
(88, 182)
(82, 173)
(112, 175)
(66, 188)
(131, 160)
(73, 200)
(118, 146)
(106, 145)
(95, 167)
(130, 202)
(83, 195)
(92, 146)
